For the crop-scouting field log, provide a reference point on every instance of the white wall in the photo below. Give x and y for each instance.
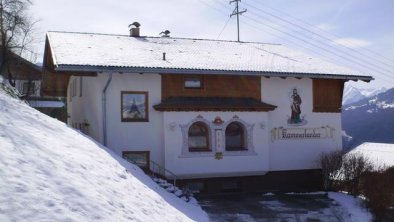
(135, 136)
(297, 153)
(166, 143)
(86, 108)
(205, 164)
(121, 136)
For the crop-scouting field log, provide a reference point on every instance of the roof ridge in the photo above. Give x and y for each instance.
(158, 37)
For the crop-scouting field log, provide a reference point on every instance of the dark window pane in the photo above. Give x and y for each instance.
(234, 136)
(193, 82)
(139, 158)
(26, 89)
(198, 137)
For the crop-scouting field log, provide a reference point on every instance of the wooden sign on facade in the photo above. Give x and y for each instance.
(282, 133)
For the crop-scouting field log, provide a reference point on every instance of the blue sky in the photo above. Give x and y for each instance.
(364, 26)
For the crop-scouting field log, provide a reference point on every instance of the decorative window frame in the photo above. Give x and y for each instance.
(248, 138)
(242, 141)
(207, 148)
(212, 129)
(185, 139)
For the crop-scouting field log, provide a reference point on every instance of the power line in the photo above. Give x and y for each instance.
(299, 39)
(319, 35)
(317, 46)
(324, 46)
(321, 30)
(224, 27)
(212, 7)
(365, 65)
(389, 78)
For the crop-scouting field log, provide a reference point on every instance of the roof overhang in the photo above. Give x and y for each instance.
(88, 68)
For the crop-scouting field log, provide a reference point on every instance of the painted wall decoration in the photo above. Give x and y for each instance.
(282, 133)
(134, 106)
(217, 138)
(295, 118)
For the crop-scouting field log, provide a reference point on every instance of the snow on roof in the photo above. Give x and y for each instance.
(381, 154)
(44, 104)
(50, 172)
(86, 50)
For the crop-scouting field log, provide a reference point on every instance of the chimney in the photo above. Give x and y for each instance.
(135, 29)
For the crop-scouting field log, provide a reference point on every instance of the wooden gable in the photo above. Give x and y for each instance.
(212, 86)
(54, 83)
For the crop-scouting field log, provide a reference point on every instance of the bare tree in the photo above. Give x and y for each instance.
(16, 28)
(354, 166)
(331, 164)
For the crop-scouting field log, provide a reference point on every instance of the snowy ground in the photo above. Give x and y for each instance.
(331, 207)
(50, 172)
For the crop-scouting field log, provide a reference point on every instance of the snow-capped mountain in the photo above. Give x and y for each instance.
(370, 119)
(352, 94)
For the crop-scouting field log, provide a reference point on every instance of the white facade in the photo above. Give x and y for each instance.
(297, 153)
(164, 134)
(254, 161)
(121, 136)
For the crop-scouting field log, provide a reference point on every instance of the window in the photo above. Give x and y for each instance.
(194, 82)
(139, 158)
(74, 87)
(80, 86)
(69, 91)
(28, 88)
(327, 95)
(235, 137)
(198, 137)
(205, 138)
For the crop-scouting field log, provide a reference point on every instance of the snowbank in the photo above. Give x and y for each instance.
(353, 205)
(50, 172)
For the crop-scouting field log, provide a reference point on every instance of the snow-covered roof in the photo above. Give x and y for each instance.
(46, 104)
(102, 52)
(381, 154)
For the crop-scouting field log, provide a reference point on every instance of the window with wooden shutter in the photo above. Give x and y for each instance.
(327, 95)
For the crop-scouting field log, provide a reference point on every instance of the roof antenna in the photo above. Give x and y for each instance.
(165, 33)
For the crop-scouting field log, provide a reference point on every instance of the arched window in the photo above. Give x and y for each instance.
(198, 137)
(235, 137)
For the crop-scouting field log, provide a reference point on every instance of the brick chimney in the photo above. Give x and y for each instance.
(135, 29)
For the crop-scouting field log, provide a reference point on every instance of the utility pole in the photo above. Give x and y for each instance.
(237, 13)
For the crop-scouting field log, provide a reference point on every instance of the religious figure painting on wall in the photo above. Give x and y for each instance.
(295, 107)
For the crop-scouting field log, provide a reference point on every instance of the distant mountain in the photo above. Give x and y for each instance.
(352, 94)
(369, 120)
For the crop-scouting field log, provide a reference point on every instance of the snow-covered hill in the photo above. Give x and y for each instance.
(352, 94)
(370, 120)
(50, 172)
